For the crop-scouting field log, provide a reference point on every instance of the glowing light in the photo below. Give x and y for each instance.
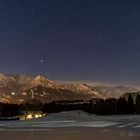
(13, 93)
(38, 115)
(29, 116)
(41, 60)
(33, 116)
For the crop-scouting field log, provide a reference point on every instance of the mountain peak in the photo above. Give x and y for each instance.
(41, 80)
(40, 77)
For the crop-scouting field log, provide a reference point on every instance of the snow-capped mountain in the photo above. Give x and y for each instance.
(20, 88)
(40, 80)
(8, 80)
(114, 91)
(82, 88)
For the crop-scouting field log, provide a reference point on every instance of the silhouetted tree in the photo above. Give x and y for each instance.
(137, 106)
(122, 106)
(99, 107)
(91, 107)
(130, 103)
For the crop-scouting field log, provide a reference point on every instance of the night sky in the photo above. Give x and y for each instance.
(71, 39)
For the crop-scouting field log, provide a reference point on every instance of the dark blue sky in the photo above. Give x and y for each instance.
(71, 39)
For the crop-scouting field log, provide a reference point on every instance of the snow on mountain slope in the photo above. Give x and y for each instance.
(40, 80)
(19, 88)
(114, 91)
(84, 89)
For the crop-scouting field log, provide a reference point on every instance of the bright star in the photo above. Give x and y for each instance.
(41, 60)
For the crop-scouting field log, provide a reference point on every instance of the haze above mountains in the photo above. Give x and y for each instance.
(16, 88)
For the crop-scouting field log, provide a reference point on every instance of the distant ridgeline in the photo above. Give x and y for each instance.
(110, 106)
(17, 89)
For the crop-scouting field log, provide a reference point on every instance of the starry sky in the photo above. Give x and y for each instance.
(71, 39)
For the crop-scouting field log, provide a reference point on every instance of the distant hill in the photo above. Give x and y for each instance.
(115, 92)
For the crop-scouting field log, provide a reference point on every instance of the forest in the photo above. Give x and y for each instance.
(110, 106)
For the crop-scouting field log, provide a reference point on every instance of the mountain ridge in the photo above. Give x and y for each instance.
(20, 88)
(16, 88)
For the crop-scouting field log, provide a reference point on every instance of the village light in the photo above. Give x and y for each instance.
(13, 93)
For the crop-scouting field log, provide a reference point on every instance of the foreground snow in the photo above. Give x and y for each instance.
(74, 125)
(75, 119)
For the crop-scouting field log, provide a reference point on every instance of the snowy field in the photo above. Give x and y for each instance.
(75, 119)
(74, 123)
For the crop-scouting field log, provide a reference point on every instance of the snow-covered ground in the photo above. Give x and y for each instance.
(74, 125)
(75, 119)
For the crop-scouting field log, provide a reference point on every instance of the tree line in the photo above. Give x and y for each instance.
(121, 106)
(109, 106)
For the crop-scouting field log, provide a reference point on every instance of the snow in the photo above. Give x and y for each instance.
(77, 119)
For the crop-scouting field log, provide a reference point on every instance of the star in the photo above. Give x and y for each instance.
(129, 42)
(32, 13)
(75, 13)
(60, 55)
(97, 55)
(41, 60)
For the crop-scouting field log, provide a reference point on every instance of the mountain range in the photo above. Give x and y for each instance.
(16, 88)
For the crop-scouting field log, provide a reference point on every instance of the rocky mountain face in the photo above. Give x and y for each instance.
(20, 88)
(115, 92)
(12, 84)
(133, 94)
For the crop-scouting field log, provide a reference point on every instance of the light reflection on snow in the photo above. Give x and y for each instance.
(97, 124)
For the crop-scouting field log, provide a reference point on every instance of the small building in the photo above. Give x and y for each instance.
(26, 115)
